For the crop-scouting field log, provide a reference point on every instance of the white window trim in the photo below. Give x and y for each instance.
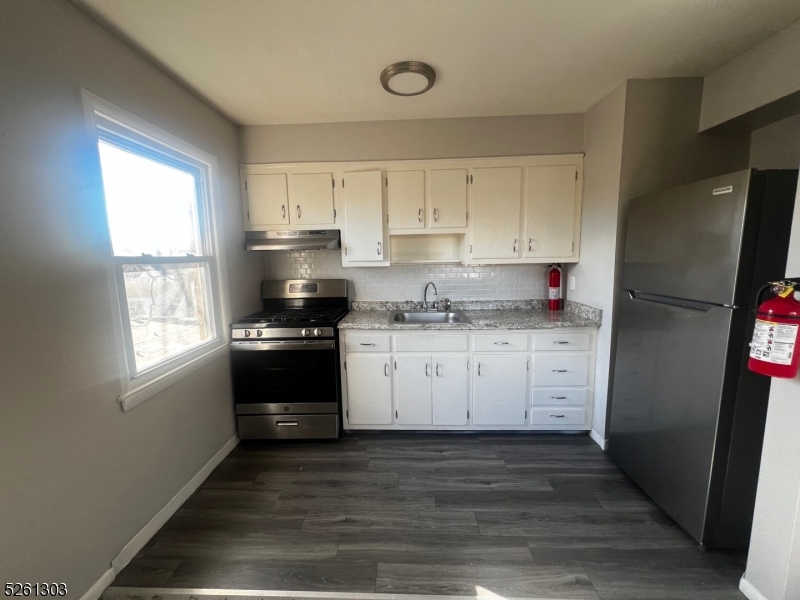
(134, 391)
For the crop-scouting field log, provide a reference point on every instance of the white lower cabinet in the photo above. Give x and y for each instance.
(450, 390)
(462, 380)
(431, 389)
(413, 390)
(369, 389)
(499, 389)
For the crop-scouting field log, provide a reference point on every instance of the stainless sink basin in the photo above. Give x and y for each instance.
(418, 317)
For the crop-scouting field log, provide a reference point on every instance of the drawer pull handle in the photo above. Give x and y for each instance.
(558, 397)
(557, 416)
(561, 342)
(501, 343)
(560, 371)
(287, 423)
(365, 344)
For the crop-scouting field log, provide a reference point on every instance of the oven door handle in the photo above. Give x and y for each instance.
(298, 345)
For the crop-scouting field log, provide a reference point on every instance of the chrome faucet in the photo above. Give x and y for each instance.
(425, 296)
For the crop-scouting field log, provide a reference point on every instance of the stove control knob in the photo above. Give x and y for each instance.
(246, 333)
(259, 333)
(305, 332)
(318, 332)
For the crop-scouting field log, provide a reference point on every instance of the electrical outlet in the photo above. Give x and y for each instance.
(572, 282)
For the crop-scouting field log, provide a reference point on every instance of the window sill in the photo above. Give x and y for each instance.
(136, 396)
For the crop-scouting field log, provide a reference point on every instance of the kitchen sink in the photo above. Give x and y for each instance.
(418, 317)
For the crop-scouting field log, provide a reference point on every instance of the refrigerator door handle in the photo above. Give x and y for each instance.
(679, 302)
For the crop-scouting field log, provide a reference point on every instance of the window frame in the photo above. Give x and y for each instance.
(108, 122)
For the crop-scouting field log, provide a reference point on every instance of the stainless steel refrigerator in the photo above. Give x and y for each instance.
(687, 417)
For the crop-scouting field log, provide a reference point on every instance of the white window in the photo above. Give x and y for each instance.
(167, 279)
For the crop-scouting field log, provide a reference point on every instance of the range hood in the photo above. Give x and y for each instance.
(314, 239)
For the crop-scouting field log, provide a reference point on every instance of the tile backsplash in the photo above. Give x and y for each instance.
(406, 282)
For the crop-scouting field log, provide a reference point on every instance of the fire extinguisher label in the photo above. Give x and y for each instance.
(773, 342)
(554, 293)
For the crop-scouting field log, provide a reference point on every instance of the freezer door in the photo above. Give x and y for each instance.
(669, 375)
(687, 242)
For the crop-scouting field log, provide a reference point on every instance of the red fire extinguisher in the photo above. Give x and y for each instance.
(773, 351)
(556, 296)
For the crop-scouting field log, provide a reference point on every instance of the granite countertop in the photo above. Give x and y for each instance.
(526, 314)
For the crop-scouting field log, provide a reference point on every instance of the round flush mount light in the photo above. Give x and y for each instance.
(408, 78)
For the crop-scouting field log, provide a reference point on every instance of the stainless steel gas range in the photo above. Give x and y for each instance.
(285, 361)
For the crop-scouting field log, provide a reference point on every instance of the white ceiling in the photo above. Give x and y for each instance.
(311, 61)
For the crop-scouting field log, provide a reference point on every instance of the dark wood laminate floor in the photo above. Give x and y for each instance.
(543, 516)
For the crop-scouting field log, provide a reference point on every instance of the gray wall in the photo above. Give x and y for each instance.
(764, 74)
(415, 139)
(776, 146)
(594, 274)
(79, 477)
(773, 564)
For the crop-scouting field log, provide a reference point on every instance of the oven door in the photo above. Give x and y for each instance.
(285, 377)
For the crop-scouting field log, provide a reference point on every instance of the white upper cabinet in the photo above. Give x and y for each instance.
(448, 205)
(406, 193)
(311, 196)
(550, 208)
(495, 213)
(364, 219)
(501, 210)
(267, 199)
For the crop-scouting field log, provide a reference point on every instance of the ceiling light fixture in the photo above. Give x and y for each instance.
(408, 78)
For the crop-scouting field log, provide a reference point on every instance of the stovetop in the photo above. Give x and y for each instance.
(294, 316)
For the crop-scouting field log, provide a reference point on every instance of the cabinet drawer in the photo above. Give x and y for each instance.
(501, 342)
(430, 343)
(560, 397)
(561, 341)
(558, 416)
(367, 342)
(560, 369)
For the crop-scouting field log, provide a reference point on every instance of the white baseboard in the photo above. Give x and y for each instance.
(138, 542)
(100, 585)
(598, 439)
(749, 590)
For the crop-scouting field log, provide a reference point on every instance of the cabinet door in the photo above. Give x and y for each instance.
(414, 389)
(369, 389)
(448, 198)
(449, 390)
(311, 196)
(267, 199)
(363, 193)
(499, 389)
(406, 191)
(496, 202)
(550, 211)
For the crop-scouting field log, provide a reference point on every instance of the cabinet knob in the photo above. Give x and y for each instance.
(515, 244)
(298, 211)
(283, 211)
(435, 214)
(419, 215)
